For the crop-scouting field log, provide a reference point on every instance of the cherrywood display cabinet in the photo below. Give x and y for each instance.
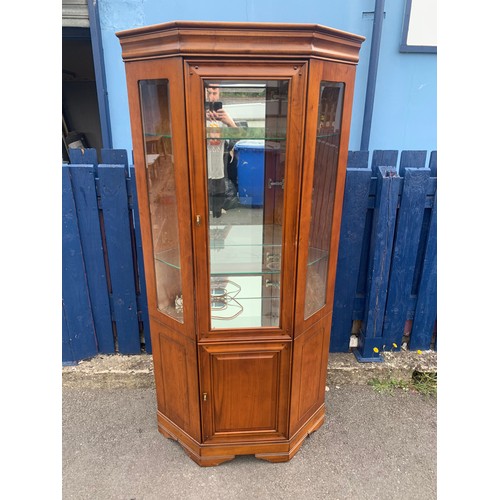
(240, 134)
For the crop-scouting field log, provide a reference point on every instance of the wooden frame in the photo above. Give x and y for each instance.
(296, 73)
(240, 390)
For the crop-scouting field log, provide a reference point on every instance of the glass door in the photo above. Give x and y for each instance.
(246, 123)
(162, 195)
(160, 156)
(326, 158)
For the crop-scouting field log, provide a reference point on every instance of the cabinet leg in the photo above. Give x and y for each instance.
(273, 457)
(212, 461)
(202, 461)
(166, 433)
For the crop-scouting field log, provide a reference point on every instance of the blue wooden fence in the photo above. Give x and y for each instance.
(385, 292)
(103, 288)
(386, 275)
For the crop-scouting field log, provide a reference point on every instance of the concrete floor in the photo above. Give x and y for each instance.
(372, 446)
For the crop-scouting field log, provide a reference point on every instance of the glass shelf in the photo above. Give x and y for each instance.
(242, 259)
(242, 301)
(316, 255)
(172, 312)
(246, 313)
(249, 133)
(245, 260)
(169, 257)
(157, 136)
(323, 136)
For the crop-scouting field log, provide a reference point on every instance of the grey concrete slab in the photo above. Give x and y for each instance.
(372, 446)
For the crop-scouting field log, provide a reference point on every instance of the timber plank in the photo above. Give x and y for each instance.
(383, 158)
(120, 157)
(426, 307)
(114, 201)
(142, 298)
(77, 312)
(411, 159)
(408, 232)
(84, 189)
(384, 221)
(350, 246)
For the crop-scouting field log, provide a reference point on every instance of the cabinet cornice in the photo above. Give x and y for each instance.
(252, 40)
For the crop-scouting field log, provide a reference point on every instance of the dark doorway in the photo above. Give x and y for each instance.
(80, 109)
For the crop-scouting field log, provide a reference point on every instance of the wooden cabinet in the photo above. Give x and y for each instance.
(240, 135)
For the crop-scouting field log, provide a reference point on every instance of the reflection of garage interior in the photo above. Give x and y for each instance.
(80, 111)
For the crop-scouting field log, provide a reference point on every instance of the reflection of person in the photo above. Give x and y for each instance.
(217, 117)
(213, 95)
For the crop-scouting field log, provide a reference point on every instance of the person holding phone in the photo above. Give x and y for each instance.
(217, 150)
(216, 112)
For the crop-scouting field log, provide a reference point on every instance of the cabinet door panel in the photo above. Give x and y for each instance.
(244, 390)
(310, 359)
(176, 378)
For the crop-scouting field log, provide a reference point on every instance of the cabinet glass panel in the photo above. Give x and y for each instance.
(156, 124)
(246, 124)
(325, 173)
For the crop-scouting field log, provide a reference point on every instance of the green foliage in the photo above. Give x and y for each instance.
(425, 382)
(421, 382)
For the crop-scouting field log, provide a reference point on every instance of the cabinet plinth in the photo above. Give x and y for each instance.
(240, 135)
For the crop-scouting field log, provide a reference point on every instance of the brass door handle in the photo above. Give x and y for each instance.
(271, 183)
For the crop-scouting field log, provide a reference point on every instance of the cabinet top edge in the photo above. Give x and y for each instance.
(226, 25)
(187, 38)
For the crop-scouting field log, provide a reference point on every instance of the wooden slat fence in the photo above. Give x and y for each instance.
(103, 288)
(385, 291)
(386, 273)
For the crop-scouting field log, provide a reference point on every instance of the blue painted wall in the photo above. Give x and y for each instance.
(404, 116)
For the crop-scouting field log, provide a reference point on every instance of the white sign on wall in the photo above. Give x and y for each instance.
(419, 26)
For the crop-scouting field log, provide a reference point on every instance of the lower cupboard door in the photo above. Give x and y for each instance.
(244, 391)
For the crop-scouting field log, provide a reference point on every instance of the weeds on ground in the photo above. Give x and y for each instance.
(421, 382)
(425, 382)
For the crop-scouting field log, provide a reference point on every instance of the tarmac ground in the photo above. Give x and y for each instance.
(372, 445)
